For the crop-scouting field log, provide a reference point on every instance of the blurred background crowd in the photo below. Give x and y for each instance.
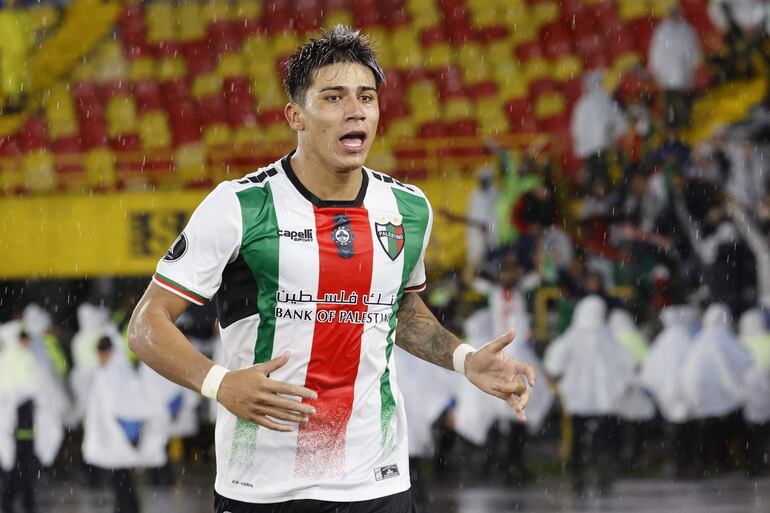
(598, 174)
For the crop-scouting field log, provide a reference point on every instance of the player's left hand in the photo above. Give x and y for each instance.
(491, 370)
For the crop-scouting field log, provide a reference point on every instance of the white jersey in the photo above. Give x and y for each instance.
(322, 280)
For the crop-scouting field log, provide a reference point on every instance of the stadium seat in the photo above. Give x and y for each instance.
(147, 95)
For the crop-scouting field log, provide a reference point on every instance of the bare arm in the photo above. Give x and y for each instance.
(248, 393)
(489, 368)
(420, 333)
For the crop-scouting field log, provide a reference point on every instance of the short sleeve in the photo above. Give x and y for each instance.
(417, 279)
(192, 267)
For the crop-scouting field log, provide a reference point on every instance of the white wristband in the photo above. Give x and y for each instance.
(458, 357)
(212, 381)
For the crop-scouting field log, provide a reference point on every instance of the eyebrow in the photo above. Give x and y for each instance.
(343, 88)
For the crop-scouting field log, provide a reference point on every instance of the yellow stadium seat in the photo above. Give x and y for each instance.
(380, 38)
(217, 135)
(111, 63)
(257, 48)
(247, 136)
(231, 65)
(511, 82)
(550, 104)
(43, 16)
(285, 43)
(470, 54)
(537, 68)
(204, 85)
(246, 9)
(86, 71)
(270, 94)
(260, 69)
(627, 61)
(153, 127)
(160, 17)
(190, 163)
(382, 159)
(661, 8)
(481, 5)
(403, 128)
(121, 116)
(338, 18)
(458, 108)
(11, 178)
(500, 50)
(425, 19)
(99, 168)
(494, 125)
(409, 58)
(567, 67)
(171, 68)
(438, 56)
(61, 127)
(217, 10)
(192, 24)
(630, 9)
(38, 170)
(142, 69)
(278, 133)
(545, 12)
(484, 19)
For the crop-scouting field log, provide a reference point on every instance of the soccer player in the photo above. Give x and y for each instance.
(314, 263)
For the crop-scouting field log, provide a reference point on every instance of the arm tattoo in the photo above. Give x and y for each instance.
(420, 333)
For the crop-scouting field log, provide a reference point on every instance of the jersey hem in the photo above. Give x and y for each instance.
(318, 494)
(179, 290)
(416, 288)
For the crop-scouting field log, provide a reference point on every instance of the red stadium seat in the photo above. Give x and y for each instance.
(200, 58)
(528, 50)
(308, 15)
(640, 29)
(432, 36)
(433, 129)
(175, 90)
(556, 40)
(493, 33)
(147, 95)
(449, 82)
(33, 134)
(366, 13)
(185, 121)
(274, 15)
(126, 142)
(213, 110)
(241, 107)
(543, 85)
(482, 89)
(116, 88)
(224, 37)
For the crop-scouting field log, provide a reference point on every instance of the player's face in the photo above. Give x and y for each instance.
(338, 121)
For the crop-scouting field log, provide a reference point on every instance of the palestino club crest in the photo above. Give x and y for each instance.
(391, 238)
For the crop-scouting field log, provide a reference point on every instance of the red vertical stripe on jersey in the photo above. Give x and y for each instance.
(336, 351)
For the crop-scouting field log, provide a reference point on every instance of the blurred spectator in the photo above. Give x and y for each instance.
(597, 122)
(712, 386)
(481, 232)
(660, 375)
(674, 55)
(594, 372)
(756, 339)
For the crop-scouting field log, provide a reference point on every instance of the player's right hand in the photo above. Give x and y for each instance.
(251, 395)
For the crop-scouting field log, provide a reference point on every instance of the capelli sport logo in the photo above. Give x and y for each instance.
(305, 235)
(177, 249)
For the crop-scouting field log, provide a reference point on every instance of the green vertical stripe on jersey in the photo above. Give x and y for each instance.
(259, 249)
(415, 214)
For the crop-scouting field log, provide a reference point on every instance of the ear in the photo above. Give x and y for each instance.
(293, 115)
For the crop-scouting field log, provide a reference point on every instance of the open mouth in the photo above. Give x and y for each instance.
(353, 140)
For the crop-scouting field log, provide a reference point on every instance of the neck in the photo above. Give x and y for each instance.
(327, 184)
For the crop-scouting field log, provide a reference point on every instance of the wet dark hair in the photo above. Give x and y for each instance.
(105, 344)
(340, 44)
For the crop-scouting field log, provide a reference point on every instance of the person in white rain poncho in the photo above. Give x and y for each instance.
(712, 385)
(673, 57)
(597, 122)
(428, 392)
(94, 323)
(594, 373)
(123, 428)
(756, 339)
(661, 376)
(475, 415)
(32, 405)
(636, 408)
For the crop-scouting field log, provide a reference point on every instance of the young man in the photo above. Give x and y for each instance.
(314, 262)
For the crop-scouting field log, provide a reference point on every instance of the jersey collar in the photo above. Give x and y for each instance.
(315, 200)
